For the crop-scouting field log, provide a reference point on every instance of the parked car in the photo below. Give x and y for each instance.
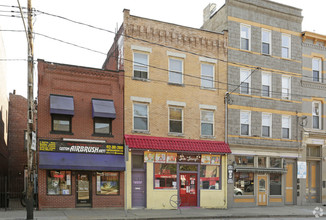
(238, 191)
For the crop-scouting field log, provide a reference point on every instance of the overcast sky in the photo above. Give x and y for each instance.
(108, 15)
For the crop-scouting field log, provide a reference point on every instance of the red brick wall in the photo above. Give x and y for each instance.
(83, 84)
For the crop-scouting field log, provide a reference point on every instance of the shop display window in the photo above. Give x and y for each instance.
(244, 160)
(275, 162)
(107, 183)
(210, 177)
(262, 162)
(58, 182)
(243, 184)
(275, 184)
(165, 176)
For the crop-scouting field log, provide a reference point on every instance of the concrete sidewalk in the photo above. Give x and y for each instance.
(185, 213)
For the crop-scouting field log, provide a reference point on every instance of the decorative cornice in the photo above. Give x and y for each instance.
(313, 85)
(315, 46)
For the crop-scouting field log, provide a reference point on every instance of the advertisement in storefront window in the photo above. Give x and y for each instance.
(160, 157)
(205, 159)
(171, 158)
(149, 157)
(215, 159)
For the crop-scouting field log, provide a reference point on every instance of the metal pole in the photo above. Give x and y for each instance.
(30, 87)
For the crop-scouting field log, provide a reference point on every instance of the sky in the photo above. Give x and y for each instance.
(106, 14)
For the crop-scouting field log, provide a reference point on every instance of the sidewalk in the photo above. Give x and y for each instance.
(185, 213)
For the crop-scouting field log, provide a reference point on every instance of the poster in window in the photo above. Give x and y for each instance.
(149, 156)
(171, 157)
(215, 159)
(160, 157)
(68, 180)
(205, 159)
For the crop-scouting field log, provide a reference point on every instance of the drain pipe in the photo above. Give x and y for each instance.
(226, 102)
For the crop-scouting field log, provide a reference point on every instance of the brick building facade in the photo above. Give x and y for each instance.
(80, 137)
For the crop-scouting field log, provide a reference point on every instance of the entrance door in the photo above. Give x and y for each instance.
(138, 189)
(83, 191)
(312, 182)
(188, 189)
(262, 190)
(289, 184)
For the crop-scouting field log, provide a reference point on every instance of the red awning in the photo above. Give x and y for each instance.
(176, 144)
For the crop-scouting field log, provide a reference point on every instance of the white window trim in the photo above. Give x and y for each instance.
(175, 54)
(289, 36)
(320, 115)
(201, 76)
(249, 128)
(141, 48)
(289, 117)
(290, 85)
(270, 126)
(208, 60)
(270, 41)
(249, 37)
(270, 84)
(213, 131)
(175, 103)
(208, 107)
(249, 80)
(133, 117)
(182, 71)
(147, 66)
(140, 99)
(320, 68)
(182, 124)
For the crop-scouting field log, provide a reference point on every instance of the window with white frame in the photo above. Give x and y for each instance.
(175, 120)
(316, 115)
(286, 126)
(207, 75)
(207, 122)
(245, 81)
(266, 79)
(266, 36)
(286, 87)
(140, 65)
(266, 124)
(175, 71)
(245, 37)
(140, 117)
(286, 46)
(316, 69)
(245, 119)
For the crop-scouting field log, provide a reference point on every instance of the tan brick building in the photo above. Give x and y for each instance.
(175, 82)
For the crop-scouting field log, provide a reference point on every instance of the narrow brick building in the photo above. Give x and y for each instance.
(80, 137)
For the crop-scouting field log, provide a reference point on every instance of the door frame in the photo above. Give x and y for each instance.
(90, 189)
(139, 170)
(318, 176)
(266, 189)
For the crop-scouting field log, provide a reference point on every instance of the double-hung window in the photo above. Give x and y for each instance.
(266, 41)
(245, 37)
(140, 117)
(175, 71)
(103, 114)
(245, 119)
(62, 110)
(286, 46)
(266, 79)
(266, 124)
(140, 65)
(286, 87)
(316, 69)
(316, 115)
(175, 120)
(286, 126)
(207, 75)
(207, 122)
(245, 81)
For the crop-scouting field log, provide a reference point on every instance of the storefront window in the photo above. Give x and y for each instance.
(243, 183)
(107, 183)
(244, 160)
(59, 182)
(165, 176)
(209, 177)
(275, 184)
(262, 162)
(188, 167)
(275, 162)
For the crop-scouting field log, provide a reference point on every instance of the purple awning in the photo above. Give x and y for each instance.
(103, 108)
(63, 105)
(75, 161)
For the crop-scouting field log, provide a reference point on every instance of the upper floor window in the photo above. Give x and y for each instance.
(103, 126)
(286, 46)
(175, 71)
(266, 84)
(207, 75)
(286, 87)
(103, 114)
(286, 125)
(266, 41)
(62, 110)
(140, 117)
(266, 124)
(141, 65)
(245, 81)
(245, 37)
(316, 115)
(61, 123)
(245, 122)
(316, 69)
(175, 120)
(207, 122)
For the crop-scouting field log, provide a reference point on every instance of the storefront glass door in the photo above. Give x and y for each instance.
(188, 189)
(83, 192)
(262, 190)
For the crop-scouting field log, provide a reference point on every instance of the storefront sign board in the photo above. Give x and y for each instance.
(149, 156)
(302, 170)
(171, 157)
(205, 159)
(160, 157)
(188, 158)
(230, 174)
